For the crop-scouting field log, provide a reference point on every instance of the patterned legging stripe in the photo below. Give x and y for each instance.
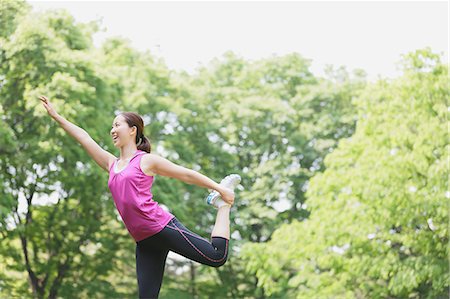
(182, 232)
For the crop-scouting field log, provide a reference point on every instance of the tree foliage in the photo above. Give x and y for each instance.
(343, 182)
(378, 224)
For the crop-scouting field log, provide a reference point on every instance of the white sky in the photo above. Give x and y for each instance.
(367, 35)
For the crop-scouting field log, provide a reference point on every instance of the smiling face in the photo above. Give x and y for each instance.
(121, 133)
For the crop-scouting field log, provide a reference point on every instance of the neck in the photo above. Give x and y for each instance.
(127, 151)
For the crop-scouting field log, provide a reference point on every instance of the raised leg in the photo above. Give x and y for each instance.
(222, 225)
(192, 246)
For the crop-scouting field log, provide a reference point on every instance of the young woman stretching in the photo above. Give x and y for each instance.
(154, 230)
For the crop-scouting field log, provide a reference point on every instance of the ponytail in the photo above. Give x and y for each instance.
(144, 144)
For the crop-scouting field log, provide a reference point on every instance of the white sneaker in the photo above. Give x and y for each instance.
(230, 182)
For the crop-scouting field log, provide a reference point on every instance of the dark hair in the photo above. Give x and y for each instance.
(134, 119)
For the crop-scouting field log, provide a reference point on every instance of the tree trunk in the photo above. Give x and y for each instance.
(193, 289)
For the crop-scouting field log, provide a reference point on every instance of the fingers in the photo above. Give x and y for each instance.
(230, 200)
(44, 99)
(45, 103)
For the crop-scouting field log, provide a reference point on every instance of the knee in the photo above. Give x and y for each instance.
(221, 254)
(219, 263)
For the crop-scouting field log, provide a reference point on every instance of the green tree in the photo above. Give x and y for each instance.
(57, 225)
(378, 224)
(265, 118)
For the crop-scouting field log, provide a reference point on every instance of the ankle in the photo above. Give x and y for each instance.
(224, 206)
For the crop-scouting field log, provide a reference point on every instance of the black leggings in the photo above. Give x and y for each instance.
(151, 254)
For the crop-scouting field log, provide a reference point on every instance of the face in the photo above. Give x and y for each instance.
(121, 133)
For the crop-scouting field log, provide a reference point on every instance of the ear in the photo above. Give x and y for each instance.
(134, 128)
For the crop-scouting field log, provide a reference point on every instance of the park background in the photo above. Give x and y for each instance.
(345, 173)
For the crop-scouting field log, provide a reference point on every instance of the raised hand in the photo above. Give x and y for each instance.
(48, 106)
(227, 195)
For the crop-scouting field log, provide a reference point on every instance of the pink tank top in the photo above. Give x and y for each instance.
(131, 191)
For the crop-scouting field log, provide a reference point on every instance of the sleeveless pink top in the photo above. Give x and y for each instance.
(131, 191)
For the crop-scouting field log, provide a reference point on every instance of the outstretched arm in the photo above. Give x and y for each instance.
(101, 157)
(164, 167)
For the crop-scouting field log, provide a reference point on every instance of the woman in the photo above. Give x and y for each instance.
(155, 230)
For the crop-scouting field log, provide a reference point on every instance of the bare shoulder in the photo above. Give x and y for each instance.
(147, 163)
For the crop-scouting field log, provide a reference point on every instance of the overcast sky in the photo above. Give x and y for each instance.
(367, 35)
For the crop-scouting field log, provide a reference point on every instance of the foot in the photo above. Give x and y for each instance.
(230, 182)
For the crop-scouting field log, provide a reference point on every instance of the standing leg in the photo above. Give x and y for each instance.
(222, 225)
(150, 263)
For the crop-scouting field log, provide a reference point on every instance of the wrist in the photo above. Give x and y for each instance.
(57, 117)
(218, 188)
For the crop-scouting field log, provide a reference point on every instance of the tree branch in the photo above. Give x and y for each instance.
(62, 269)
(50, 251)
(37, 290)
